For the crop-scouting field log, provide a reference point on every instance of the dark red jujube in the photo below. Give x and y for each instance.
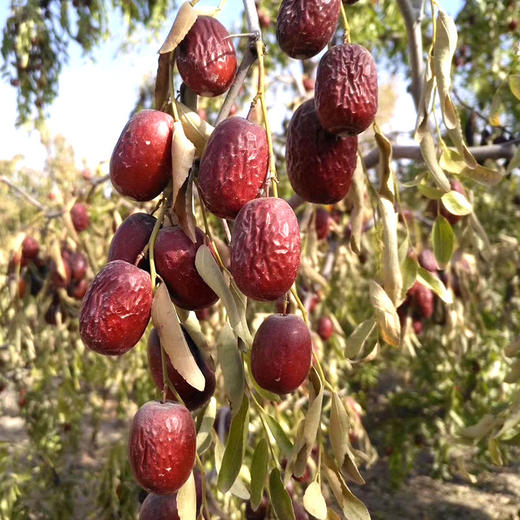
(116, 308)
(346, 89)
(162, 446)
(304, 27)
(175, 263)
(140, 166)
(281, 353)
(206, 58)
(320, 165)
(265, 248)
(234, 167)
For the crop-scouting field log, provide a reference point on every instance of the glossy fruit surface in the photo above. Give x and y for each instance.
(159, 507)
(162, 446)
(206, 58)
(346, 89)
(131, 238)
(265, 248)
(175, 262)
(80, 217)
(304, 27)
(281, 353)
(30, 248)
(234, 166)
(320, 165)
(325, 328)
(116, 308)
(192, 397)
(140, 166)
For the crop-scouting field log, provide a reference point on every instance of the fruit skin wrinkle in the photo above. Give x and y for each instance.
(265, 248)
(346, 90)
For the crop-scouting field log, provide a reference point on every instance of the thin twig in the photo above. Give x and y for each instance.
(415, 47)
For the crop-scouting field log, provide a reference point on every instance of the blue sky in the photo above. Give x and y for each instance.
(97, 93)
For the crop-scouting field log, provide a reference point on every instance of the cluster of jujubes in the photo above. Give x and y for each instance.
(233, 183)
(64, 272)
(322, 136)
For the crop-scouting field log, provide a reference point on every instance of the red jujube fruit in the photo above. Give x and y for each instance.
(265, 248)
(192, 397)
(116, 308)
(206, 58)
(162, 446)
(322, 223)
(304, 27)
(320, 165)
(325, 328)
(140, 166)
(175, 263)
(234, 166)
(79, 216)
(131, 238)
(281, 353)
(30, 248)
(346, 89)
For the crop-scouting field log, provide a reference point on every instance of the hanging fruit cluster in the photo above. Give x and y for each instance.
(165, 152)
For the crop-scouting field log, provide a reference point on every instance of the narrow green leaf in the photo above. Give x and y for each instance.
(443, 240)
(432, 282)
(259, 472)
(429, 192)
(456, 203)
(235, 448)
(205, 423)
(494, 451)
(338, 428)
(230, 361)
(280, 499)
(212, 275)
(409, 269)
(280, 436)
(356, 341)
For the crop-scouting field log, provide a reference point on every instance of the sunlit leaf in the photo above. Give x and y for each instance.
(356, 341)
(429, 280)
(172, 339)
(186, 17)
(386, 315)
(314, 502)
(456, 203)
(187, 500)
(514, 85)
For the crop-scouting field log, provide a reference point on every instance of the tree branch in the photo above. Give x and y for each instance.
(493, 151)
(248, 60)
(415, 47)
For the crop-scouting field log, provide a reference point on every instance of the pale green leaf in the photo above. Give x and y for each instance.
(282, 440)
(429, 280)
(456, 203)
(386, 315)
(443, 240)
(230, 361)
(314, 502)
(356, 341)
(514, 85)
(187, 500)
(172, 339)
(205, 422)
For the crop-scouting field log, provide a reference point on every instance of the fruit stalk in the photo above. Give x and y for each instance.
(346, 38)
(261, 96)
